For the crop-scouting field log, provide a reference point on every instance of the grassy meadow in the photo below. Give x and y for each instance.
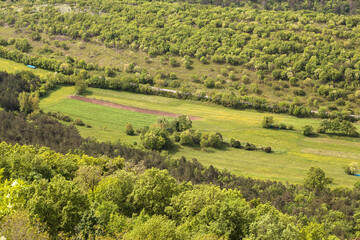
(11, 67)
(293, 153)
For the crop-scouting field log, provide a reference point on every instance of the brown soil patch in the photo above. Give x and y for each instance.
(129, 108)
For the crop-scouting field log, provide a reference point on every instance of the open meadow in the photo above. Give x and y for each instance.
(11, 67)
(293, 153)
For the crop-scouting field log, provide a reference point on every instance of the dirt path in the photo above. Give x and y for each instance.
(129, 108)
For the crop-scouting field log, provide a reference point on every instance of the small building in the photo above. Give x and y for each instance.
(31, 66)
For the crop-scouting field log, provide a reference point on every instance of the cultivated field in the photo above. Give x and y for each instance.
(293, 153)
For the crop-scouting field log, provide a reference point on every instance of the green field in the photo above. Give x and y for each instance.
(293, 153)
(107, 123)
(11, 67)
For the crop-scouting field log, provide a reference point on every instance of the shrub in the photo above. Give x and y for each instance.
(211, 140)
(173, 62)
(203, 60)
(65, 118)
(209, 83)
(81, 87)
(250, 147)
(293, 81)
(232, 76)
(282, 126)
(22, 45)
(176, 136)
(300, 92)
(129, 130)
(290, 127)
(267, 149)
(307, 130)
(79, 122)
(173, 76)
(267, 122)
(235, 143)
(186, 138)
(352, 168)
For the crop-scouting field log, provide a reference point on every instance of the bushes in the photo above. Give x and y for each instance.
(79, 122)
(211, 140)
(307, 130)
(235, 143)
(267, 149)
(268, 122)
(338, 126)
(209, 83)
(129, 130)
(352, 168)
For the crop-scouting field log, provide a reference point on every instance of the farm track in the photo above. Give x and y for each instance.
(129, 108)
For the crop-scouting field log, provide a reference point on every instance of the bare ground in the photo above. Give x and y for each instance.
(129, 108)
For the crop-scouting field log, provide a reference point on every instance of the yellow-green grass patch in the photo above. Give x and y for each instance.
(11, 67)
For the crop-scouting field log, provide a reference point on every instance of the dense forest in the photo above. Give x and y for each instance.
(282, 55)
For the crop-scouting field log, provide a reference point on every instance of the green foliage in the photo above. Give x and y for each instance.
(182, 123)
(28, 102)
(88, 177)
(339, 127)
(19, 226)
(79, 122)
(116, 189)
(156, 227)
(153, 191)
(81, 87)
(209, 83)
(155, 139)
(307, 130)
(22, 45)
(129, 130)
(268, 122)
(211, 140)
(186, 138)
(352, 168)
(59, 203)
(271, 224)
(316, 179)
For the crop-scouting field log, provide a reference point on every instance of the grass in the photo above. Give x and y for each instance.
(293, 153)
(11, 67)
(108, 124)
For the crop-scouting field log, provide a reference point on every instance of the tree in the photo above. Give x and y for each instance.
(269, 223)
(156, 227)
(211, 140)
(59, 203)
(129, 130)
(88, 177)
(268, 122)
(116, 189)
(209, 83)
(28, 102)
(81, 87)
(19, 226)
(186, 138)
(155, 138)
(182, 123)
(316, 179)
(22, 45)
(307, 130)
(153, 191)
